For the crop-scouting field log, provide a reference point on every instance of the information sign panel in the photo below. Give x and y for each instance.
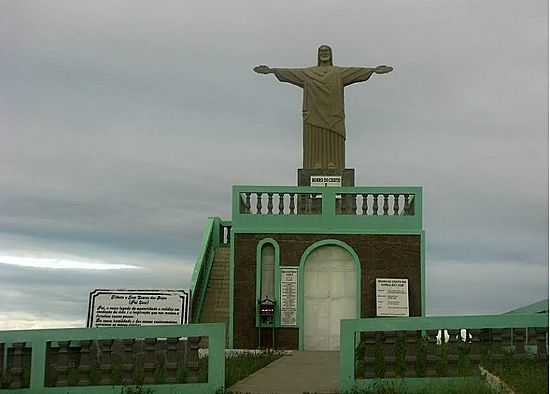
(392, 297)
(134, 308)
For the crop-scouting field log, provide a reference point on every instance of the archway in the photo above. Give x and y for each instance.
(330, 294)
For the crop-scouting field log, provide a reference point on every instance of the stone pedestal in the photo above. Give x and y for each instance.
(305, 174)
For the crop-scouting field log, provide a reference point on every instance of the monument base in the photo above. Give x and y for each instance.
(305, 174)
(311, 204)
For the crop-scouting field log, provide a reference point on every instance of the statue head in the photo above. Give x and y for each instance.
(324, 56)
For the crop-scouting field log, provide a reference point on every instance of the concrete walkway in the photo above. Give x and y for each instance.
(297, 373)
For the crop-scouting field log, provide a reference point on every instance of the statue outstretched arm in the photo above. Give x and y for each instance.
(263, 69)
(360, 74)
(383, 69)
(294, 76)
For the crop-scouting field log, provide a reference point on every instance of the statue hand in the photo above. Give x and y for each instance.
(263, 69)
(383, 69)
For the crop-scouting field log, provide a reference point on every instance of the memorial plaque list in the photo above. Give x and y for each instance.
(289, 294)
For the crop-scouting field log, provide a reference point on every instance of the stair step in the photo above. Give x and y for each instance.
(216, 303)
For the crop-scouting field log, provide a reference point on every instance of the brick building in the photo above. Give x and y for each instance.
(316, 252)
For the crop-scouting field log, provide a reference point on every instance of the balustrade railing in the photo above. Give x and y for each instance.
(441, 353)
(15, 361)
(375, 204)
(225, 233)
(434, 347)
(276, 208)
(280, 203)
(123, 362)
(161, 357)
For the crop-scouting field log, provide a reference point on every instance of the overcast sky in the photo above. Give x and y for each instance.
(125, 123)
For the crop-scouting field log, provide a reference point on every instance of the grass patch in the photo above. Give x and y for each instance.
(528, 376)
(459, 388)
(240, 365)
(524, 376)
(136, 390)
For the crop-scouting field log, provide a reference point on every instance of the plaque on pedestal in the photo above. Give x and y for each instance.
(305, 175)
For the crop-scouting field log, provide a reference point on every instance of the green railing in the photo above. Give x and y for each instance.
(27, 357)
(217, 233)
(417, 351)
(320, 209)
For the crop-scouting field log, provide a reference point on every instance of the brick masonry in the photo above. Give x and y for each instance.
(381, 256)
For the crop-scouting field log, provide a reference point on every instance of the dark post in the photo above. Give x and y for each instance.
(171, 360)
(106, 365)
(17, 365)
(128, 361)
(193, 359)
(150, 361)
(84, 365)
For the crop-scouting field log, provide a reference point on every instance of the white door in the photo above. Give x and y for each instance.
(330, 294)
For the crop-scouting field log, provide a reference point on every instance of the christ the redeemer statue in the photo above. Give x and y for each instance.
(323, 108)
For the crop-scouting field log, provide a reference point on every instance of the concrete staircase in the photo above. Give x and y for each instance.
(216, 300)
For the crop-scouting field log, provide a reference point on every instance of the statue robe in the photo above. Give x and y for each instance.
(323, 110)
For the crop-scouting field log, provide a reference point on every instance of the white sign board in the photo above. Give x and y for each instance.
(289, 295)
(392, 297)
(134, 308)
(326, 181)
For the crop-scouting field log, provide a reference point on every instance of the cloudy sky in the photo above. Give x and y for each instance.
(125, 123)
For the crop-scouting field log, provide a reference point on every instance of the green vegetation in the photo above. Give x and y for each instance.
(421, 365)
(238, 366)
(5, 379)
(462, 388)
(523, 376)
(136, 390)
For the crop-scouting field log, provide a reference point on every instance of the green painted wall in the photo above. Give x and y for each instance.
(38, 339)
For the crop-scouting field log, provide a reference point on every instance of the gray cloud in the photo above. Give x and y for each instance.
(124, 127)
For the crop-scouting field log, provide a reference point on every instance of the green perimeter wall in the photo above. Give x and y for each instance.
(38, 339)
